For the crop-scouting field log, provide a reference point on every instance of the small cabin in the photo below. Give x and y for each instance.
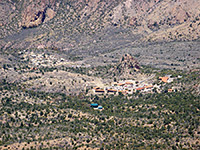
(100, 107)
(129, 83)
(149, 86)
(96, 88)
(140, 89)
(121, 84)
(164, 79)
(123, 92)
(170, 90)
(99, 91)
(94, 105)
(112, 91)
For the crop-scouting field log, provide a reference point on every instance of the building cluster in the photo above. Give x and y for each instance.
(48, 60)
(96, 106)
(124, 87)
(132, 86)
(44, 60)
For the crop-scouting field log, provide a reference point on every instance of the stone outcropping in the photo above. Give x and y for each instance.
(157, 20)
(127, 66)
(37, 12)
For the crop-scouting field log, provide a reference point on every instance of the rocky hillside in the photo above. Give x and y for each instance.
(72, 24)
(128, 62)
(37, 12)
(127, 67)
(19, 14)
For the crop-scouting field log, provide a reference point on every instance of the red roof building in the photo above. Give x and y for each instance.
(164, 79)
(112, 90)
(141, 88)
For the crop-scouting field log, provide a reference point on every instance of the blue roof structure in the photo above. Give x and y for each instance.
(94, 105)
(100, 107)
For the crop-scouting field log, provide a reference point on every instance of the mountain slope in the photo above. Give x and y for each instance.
(65, 24)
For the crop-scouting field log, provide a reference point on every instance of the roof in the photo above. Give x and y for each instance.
(112, 90)
(170, 90)
(121, 84)
(96, 88)
(94, 105)
(128, 83)
(148, 86)
(99, 90)
(164, 79)
(141, 88)
(123, 91)
(100, 107)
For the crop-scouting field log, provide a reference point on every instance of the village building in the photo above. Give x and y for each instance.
(112, 91)
(129, 83)
(164, 79)
(98, 90)
(131, 86)
(140, 89)
(94, 105)
(170, 90)
(121, 84)
(124, 92)
(100, 107)
(170, 80)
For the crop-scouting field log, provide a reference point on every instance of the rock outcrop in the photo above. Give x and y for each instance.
(126, 67)
(37, 12)
(128, 62)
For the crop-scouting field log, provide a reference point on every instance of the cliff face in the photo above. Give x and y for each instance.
(161, 19)
(18, 14)
(155, 20)
(127, 67)
(36, 12)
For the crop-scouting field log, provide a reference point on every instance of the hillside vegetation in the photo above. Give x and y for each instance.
(99, 74)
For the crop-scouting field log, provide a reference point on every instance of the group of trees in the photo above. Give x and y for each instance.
(144, 118)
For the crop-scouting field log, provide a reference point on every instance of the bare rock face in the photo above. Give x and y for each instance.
(127, 66)
(33, 18)
(128, 62)
(154, 20)
(50, 13)
(37, 12)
